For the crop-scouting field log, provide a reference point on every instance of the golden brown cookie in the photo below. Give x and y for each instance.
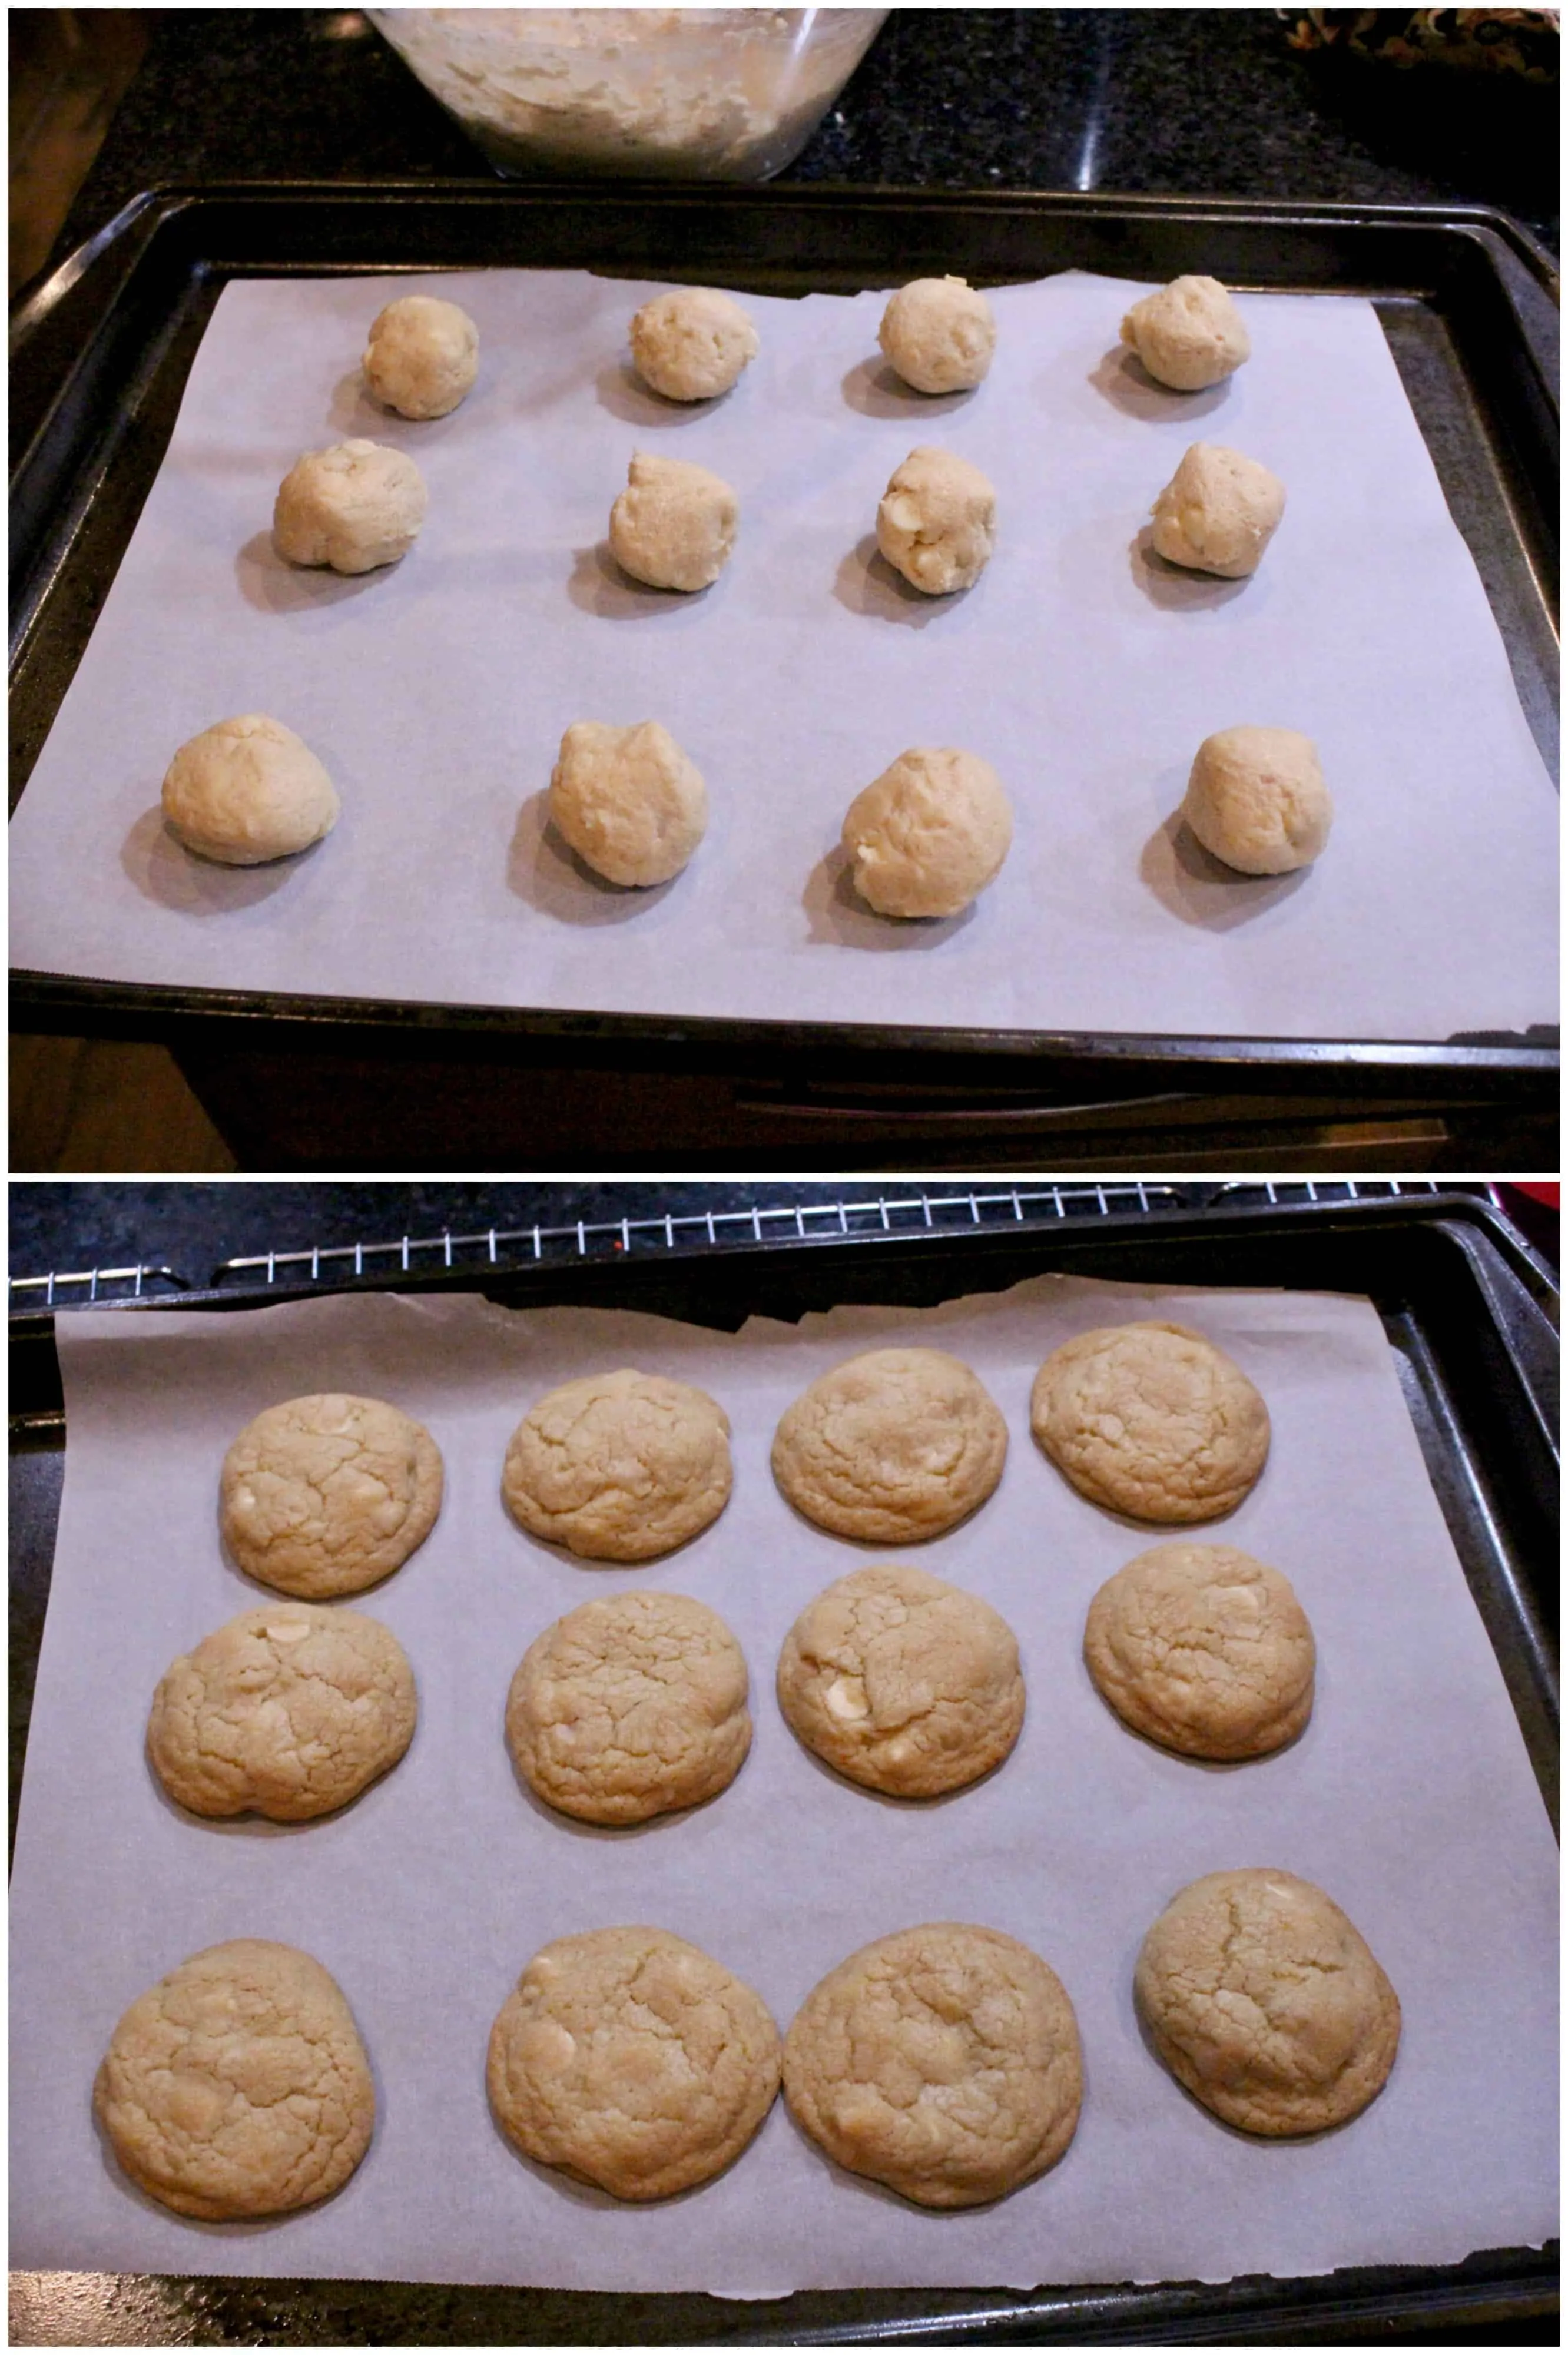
(892, 1445)
(619, 1466)
(329, 1494)
(1203, 1649)
(1151, 1420)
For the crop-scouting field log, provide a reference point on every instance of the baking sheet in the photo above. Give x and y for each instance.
(1409, 1798)
(1083, 668)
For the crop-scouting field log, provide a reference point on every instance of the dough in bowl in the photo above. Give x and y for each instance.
(422, 356)
(928, 834)
(356, 506)
(628, 801)
(248, 790)
(692, 343)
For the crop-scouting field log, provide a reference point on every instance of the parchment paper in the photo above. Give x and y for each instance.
(1408, 1798)
(1084, 669)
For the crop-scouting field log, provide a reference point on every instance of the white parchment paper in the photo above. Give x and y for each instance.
(1083, 668)
(1409, 1797)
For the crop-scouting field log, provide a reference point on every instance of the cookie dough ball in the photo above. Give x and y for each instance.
(1151, 1420)
(902, 1682)
(1217, 512)
(249, 790)
(937, 522)
(939, 333)
(287, 1712)
(673, 525)
(619, 1467)
(1188, 335)
(890, 1445)
(1203, 1649)
(355, 507)
(692, 344)
(929, 833)
(329, 1494)
(238, 2086)
(422, 356)
(1257, 799)
(628, 801)
(633, 2061)
(1265, 2002)
(943, 2060)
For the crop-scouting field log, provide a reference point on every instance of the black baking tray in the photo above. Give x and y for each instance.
(1471, 1316)
(101, 351)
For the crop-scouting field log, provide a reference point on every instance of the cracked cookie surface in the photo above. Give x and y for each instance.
(902, 1682)
(943, 2060)
(238, 2085)
(1152, 1421)
(892, 1445)
(287, 1712)
(619, 1466)
(329, 1494)
(1264, 2000)
(1204, 1649)
(631, 2059)
(630, 1707)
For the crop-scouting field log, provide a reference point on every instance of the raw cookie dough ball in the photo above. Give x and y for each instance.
(248, 790)
(943, 2060)
(286, 1712)
(628, 801)
(422, 356)
(238, 2086)
(634, 2060)
(937, 522)
(1189, 335)
(929, 833)
(673, 525)
(1217, 512)
(1257, 799)
(1204, 1649)
(1151, 1420)
(619, 1466)
(902, 1682)
(326, 1495)
(692, 344)
(939, 333)
(355, 507)
(630, 1708)
(1265, 2002)
(893, 1444)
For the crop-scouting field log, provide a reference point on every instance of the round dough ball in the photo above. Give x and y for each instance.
(248, 790)
(1188, 335)
(628, 801)
(929, 833)
(692, 343)
(630, 1708)
(1257, 799)
(422, 356)
(1151, 1420)
(634, 2060)
(939, 333)
(937, 522)
(1203, 1649)
(673, 525)
(619, 1467)
(1217, 512)
(943, 2060)
(1265, 2001)
(902, 1682)
(890, 1445)
(329, 1494)
(286, 1712)
(238, 2086)
(355, 507)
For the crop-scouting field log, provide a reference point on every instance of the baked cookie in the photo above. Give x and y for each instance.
(634, 2060)
(1151, 1420)
(630, 1707)
(943, 2060)
(286, 1712)
(619, 1466)
(328, 1494)
(1203, 1649)
(1265, 2002)
(890, 1445)
(902, 1682)
(238, 2086)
